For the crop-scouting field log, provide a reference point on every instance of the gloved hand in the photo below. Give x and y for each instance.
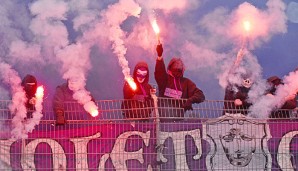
(60, 120)
(159, 50)
(187, 105)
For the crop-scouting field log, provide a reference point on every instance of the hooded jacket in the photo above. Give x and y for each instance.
(30, 92)
(64, 102)
(178, 89)
(135, 101)
(231, 96)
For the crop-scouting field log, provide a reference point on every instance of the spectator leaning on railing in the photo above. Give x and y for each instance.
(236, 97)
(138, 103)
(63, 100)
(172, 84)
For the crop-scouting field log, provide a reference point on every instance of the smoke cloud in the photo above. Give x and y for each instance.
(266, 104)
(82, 38)
(17, 107)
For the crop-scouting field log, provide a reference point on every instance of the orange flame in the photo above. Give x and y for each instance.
(131, 83)
(155, 27)
(94, 113)
(39, 92)
(247, 25)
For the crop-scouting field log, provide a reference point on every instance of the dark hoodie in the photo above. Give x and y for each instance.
(231, 96)
(64, 102)
(135, 101)
(186, 88)
(30, 90)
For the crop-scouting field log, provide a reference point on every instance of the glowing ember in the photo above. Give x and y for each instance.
(39, 92)
(131, 83)
(155, 27)
(94, 113)
(247, 26)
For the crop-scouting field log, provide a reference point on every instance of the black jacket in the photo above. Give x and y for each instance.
(138, 103)
(187, 90)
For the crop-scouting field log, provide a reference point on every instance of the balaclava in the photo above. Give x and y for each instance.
(176, 68)
(30, 85)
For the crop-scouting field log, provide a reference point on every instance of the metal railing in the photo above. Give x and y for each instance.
(155, 135)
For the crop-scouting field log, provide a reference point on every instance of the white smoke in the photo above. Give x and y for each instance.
(228, 27)
(265, 104)
(47, 26)
(17, 107)
(75, 59)
(264, 23)
(169, 6)
(113, 17)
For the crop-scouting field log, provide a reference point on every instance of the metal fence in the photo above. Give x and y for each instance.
(156, 134)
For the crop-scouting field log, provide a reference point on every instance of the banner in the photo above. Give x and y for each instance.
(231, 142)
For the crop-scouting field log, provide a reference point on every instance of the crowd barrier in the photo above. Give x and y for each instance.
(209, 137)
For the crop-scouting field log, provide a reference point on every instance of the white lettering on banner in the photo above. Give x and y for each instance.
(176, 94)
(102, 162)
(59, 157)
(239, 132)
(5, 151)
(119, 155)
(179, 146)
(81, 150)
(284, 155)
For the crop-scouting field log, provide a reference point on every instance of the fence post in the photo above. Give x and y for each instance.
(157, 124)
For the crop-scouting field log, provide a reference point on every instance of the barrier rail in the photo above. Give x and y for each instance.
(166, 139)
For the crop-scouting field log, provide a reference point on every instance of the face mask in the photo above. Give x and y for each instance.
(30, 89)
(247, 83)
(141, 75)
(177, 73)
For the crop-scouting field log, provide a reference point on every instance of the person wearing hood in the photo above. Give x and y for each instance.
(236, 97)
(290, 103)
(65, 106)
(177, 92)
(138, 103)
(29, 85)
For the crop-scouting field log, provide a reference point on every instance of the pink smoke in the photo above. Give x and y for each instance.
(264, 23)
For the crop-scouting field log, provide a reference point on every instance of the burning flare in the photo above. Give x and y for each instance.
(131, 83)
(156, 29)
(94, 112)
(39, 92)
(247, 26)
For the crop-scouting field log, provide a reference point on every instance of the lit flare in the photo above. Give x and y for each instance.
(131, 83)
(247, 26)
(156, 29)
(39, 92)
(94, 113)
